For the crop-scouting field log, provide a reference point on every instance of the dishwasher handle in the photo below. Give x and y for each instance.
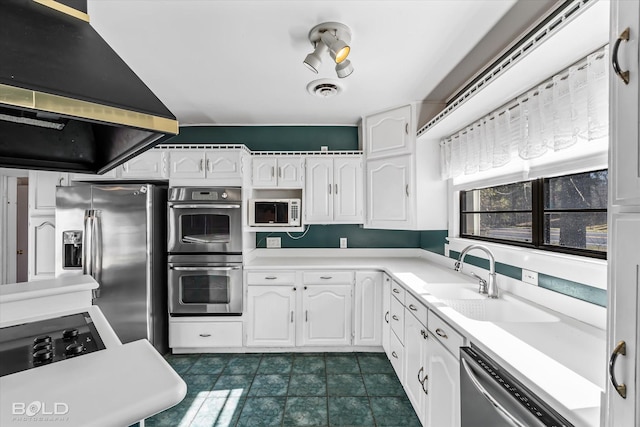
(492, 400)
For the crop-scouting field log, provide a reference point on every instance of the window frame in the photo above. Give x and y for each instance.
(537, 219)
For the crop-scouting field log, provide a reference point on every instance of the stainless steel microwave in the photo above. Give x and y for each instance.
(274, 213)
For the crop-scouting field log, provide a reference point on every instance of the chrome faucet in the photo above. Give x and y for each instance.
(490, 288)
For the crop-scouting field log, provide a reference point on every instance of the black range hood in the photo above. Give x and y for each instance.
(68, 102)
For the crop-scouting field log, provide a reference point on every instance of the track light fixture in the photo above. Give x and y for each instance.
(333, 37)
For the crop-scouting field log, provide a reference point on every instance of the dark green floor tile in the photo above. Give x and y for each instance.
(262, 411)
(308, 385)
(181, 363)
(302, 354)
(350, 411)
(374, 363)
(180, 415)
(269, 385)
(199, 385)
(306, 411)
(242, 365)
(308, 365)
(276, 365)
(209, 364)
(343, 364)
(383, 385)
(231, 386)
(218, 412)
(345, 385)
(393, 411)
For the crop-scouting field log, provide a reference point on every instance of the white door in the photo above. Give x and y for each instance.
(415, 358)
(386, 313)
(326, 315)
(264, 171)
(223, 164)
(186, 164)
(319, 190)
(42, 233)
(348, 190)
(290, 172)
(150, 164)
(271, 316)
(389, 133)
(443, 387)
(368, 308)
(388, 190)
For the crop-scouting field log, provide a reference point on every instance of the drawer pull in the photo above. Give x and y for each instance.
(326, 277)
(271, 277)
(421, 380)
(393, 353)
(441, 333)
(413, 307)
(394, 317)
(424, 384)
(396, 291)
(624, 75)
(386, 317)
(620, 349)
(205, 335)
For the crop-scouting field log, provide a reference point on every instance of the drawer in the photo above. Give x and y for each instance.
(397, 319)
(271, 277)
(444, 333)
(205, 334)
(397, 291)
(396, 355)
(415, 306)
(327, 277)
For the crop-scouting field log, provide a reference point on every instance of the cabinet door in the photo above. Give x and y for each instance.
(319, 190)
(368, 308)
(415, 358)
(389, 133)
(42, 191)
(186, 164)
(223, 164)
(264, 171)
(347, 190)
(386, 314)
(290, 172)
(443, 387)
(624, 110)
(388, 192)
(150, 164)
(42, 233)
(326, 313)
(271, 316)
(107, 176)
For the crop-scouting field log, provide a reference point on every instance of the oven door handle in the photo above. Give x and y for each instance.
(206, 206)
(501, 409)
(203, 268)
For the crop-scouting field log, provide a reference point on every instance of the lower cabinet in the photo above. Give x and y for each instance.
(368, 308)
(272, 312)
(205, 334)
(327, 315)
(442, 386)
(386, 312)
(42, 250)
(415, 366)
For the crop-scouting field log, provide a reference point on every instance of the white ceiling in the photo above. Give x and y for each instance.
(240, 62)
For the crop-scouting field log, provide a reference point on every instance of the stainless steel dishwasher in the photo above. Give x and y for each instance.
(491, 397)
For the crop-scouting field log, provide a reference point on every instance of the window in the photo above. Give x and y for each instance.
(563, 214)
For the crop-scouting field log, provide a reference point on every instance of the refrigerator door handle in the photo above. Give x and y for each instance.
(96, 248)
(87, 243)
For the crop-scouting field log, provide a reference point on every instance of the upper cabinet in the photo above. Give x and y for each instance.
(277, 171)
(42, 191)
(334, 190)
(150, 164)
(391, 132)
(205, 164)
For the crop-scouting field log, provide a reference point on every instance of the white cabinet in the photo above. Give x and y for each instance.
(204, 333)
(390, 132)
(216, 163)
(42, 191)
(334, 190)
(42, 252)
(277, 171)
(442, 386)
(272, 315)
(415, 366)
(368, 308)
(403, 189)
(107, 176)
(327, 315)
(152, 164)
(386, 313)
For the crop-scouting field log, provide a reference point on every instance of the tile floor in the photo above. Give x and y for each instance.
(288, 389)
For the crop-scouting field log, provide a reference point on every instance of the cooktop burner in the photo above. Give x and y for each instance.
(34, 344)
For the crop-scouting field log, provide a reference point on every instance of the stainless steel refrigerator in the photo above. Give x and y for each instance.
(117, 233)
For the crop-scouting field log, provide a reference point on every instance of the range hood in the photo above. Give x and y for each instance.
(68, 102)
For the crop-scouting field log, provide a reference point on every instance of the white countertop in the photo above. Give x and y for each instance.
(562, 361)
(43, 288)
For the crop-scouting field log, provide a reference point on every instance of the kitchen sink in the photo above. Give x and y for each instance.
(505, 309)
(452, 291)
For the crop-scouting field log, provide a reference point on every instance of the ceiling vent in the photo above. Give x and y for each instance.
(324, 88)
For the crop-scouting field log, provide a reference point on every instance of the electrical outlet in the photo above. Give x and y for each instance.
(343, 242)
(530, 277)
(273, 242)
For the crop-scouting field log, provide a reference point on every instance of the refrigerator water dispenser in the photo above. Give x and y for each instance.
(72, 249)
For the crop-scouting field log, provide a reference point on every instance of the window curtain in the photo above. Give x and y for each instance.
(570, 108)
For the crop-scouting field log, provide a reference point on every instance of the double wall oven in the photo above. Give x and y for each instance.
(205, 251)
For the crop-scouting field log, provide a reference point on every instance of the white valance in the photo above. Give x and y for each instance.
(570, 108)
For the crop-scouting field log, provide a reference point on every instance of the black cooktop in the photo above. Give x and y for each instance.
(30, 345)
